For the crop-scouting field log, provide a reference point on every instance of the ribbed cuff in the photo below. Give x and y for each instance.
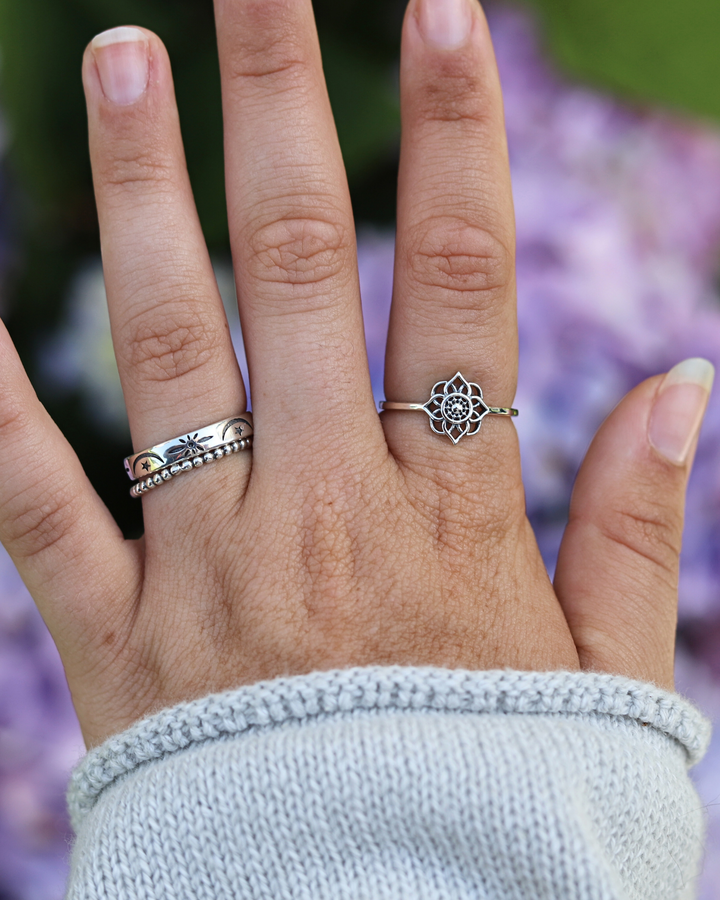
(339, 693)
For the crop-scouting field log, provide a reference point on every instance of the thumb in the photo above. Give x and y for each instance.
(618, 566)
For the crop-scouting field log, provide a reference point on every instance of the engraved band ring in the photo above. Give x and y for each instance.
(189, 451)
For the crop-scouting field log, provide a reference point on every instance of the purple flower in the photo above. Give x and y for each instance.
(618, 222)
(39, 743)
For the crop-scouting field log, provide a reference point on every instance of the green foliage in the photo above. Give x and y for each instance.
(657, 51)
(364, 103)
(42, 42)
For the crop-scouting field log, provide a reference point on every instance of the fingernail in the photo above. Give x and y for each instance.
(679, 408)
(445, 23)
(123, 61)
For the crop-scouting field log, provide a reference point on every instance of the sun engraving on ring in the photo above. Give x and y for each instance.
(190, 446)
(456, 408)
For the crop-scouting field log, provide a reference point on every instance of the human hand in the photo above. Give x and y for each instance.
(345, 538)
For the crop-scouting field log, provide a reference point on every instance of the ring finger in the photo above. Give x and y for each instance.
(172, 342)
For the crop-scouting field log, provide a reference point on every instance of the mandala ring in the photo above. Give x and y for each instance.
(456, 408)
(151, 468)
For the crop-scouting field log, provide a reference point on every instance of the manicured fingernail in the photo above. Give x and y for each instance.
(445, 23)
(123, 61)
(679, 408)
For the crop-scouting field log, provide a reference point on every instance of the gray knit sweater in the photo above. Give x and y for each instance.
(398, 784)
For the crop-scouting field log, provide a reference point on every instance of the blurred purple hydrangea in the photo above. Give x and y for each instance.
(618, 217)
(39, 743)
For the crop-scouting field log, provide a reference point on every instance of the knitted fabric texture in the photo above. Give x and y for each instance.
(398, 784)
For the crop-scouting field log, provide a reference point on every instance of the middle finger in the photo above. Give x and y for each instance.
(292, 232)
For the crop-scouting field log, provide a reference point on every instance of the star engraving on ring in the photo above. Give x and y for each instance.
(456, 408)
(238, 425)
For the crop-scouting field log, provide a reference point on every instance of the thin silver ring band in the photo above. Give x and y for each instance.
(187, 465)
(492, 410)
(189, 446)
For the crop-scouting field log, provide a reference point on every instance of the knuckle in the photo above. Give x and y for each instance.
(461, 258)
(164, 345)
(649, 530)
(269, 51)
(331, 528)
(453, 95)
(15, 418)
(44, 525)
(133, 166)
(280, 69)
(456, 508)
(300, 251)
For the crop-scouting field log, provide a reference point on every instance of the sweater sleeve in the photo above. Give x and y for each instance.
(398, 784)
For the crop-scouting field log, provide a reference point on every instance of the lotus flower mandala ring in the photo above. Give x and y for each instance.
(456, 408)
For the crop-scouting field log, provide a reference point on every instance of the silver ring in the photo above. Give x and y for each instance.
(188, 447)
(456, 408)
(187, 465)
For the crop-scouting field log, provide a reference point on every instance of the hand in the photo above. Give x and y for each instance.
(345, 538)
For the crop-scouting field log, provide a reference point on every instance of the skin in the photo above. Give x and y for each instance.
(345, 538)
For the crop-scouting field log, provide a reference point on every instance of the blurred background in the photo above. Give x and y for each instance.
(613, 114)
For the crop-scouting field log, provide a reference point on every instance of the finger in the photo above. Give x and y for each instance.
(454, 304)
(292, 233)
(171, 336)
(617, 571)
(64, 542)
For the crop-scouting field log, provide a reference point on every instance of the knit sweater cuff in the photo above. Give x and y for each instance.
(398, 782)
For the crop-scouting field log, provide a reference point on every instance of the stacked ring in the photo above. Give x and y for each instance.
(163, 462)
(187, 465)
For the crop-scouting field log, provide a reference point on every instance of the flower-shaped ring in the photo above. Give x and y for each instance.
(456, 408)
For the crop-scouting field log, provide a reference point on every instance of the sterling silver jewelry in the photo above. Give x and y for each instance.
(456, 408)
(189, 447)
(187, 465)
